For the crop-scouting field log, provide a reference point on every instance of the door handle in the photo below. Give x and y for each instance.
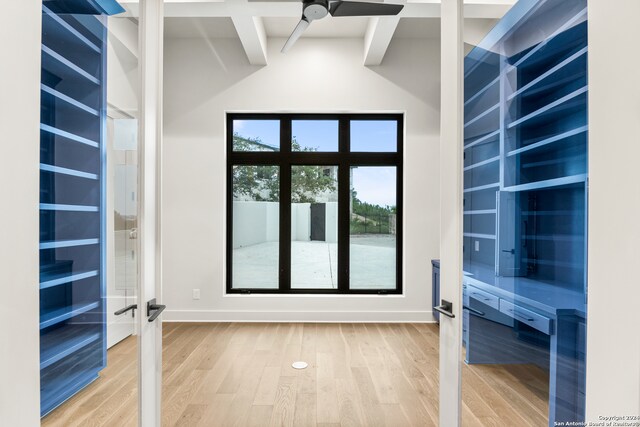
(445, 308)
(510, 251)
(127, 308)
(154, 308)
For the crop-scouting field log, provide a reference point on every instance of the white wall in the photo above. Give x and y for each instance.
(122, 63)
(19, 182)
(331, 222)
(205, 78)
(254, 223)
(258, 222)
(613, 336)
(301, 222)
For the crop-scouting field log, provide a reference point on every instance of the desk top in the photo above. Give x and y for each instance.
(545, 296)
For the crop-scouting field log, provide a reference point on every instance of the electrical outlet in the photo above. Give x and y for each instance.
(196, 294)
(477, 245)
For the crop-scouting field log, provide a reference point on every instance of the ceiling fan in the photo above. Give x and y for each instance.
(317, 9)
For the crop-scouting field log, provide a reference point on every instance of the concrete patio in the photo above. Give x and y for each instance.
(314, 264)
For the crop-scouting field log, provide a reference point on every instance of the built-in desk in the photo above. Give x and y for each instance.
(519, 320)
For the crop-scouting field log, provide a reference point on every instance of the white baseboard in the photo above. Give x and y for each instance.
(298, 316)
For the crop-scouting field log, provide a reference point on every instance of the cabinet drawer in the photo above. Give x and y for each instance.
(528, 317)
(482, 296)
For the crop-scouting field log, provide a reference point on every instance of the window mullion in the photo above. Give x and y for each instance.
(344, 211)
(285, 205)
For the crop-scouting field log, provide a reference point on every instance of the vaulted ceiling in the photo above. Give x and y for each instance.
(254, 21)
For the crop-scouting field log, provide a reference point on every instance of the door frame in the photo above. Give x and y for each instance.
(150, 33)
(451, 194)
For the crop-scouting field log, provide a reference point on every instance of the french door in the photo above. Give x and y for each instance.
(100, 102)
(514, 198)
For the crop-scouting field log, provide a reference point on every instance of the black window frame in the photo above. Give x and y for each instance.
(344, 159)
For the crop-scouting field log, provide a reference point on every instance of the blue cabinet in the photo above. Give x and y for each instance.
(72, 196)
(525, 193)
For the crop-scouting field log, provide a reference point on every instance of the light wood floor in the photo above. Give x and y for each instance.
(234, 374)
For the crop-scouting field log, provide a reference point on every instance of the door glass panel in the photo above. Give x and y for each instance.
(256, 227)
(525, 236)
(372, 223)
(122, 292)
(88, 194)
(314, 227)
(314, 135)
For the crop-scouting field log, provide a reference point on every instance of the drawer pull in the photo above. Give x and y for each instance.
(520, 316)
(481, 296)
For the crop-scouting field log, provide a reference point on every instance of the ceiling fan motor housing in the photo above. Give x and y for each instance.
(315, 9)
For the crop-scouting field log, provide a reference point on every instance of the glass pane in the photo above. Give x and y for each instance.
(314, 135)
(256, 226)
(88, 262)
(374, 135)
(372, 240)
(256, 135)
(525, 235)
(314, 227)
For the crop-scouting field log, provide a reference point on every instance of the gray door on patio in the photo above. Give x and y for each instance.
(318, 214)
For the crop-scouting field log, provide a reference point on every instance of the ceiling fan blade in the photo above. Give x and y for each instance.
(356, 8)
(297, 32)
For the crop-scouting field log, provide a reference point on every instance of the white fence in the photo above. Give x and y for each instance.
(258, 222)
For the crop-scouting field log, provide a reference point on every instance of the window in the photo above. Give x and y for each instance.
(314, 203)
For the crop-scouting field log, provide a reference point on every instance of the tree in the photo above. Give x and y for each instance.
(367, 218)
(262, 183)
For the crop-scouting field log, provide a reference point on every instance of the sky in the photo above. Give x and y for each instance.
(375, 185)
(267, 131)
(322, 135)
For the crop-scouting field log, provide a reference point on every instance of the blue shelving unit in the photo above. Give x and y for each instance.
(525, 192)
(72, 196)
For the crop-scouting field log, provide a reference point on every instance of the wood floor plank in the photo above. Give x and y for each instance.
(215, 345)
(375, 362)
(268, 386)
(216, 375)
(259, 415)
(104, 411)
(239, 374)
(394, 416)
(498, 403)
(126, 415)
(307, 377)
(327, 406)
(284, 406)
(173, 407)
(373, 413)
(216, 410)
(305, 410)
(191, 415)
(193, 358)
(246, 392)
(349, 407)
